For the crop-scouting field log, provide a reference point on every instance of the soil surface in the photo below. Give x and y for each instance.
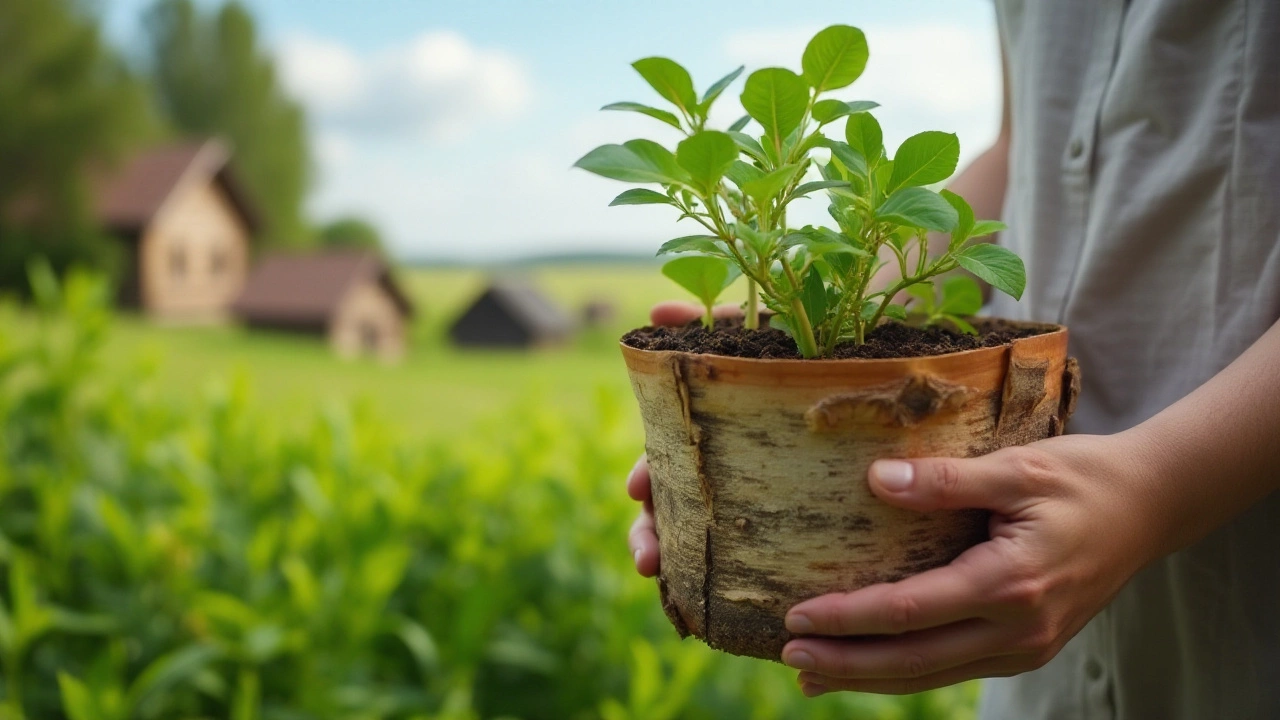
(889, 340)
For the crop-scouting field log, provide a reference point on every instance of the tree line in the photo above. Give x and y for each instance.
(71, 102)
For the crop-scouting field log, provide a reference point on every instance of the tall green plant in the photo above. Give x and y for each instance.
(738, 187)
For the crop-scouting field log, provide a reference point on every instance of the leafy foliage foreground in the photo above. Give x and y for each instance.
(168, 561)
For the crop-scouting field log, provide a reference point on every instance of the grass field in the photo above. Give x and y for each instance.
(437, 388)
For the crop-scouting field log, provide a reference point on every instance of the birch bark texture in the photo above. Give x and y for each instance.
(759, 470)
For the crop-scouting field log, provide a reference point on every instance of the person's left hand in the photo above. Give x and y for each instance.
(1073, 518)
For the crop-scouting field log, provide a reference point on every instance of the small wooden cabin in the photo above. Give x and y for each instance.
(187, 228)
(511, 313)
(348, 297)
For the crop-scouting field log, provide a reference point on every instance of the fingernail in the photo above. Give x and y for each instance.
(799, 624)
(799, 659)
(893, 475)
(636, 556)
(812, 689)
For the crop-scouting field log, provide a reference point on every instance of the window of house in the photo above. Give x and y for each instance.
(178, 261)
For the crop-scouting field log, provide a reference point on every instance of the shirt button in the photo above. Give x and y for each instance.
(1077, 148)
(1093, 669)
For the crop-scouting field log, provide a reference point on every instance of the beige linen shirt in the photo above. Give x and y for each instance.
(1144, 196)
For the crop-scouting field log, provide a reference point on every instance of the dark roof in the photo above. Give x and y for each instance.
(523, 304)
(129, 197)
(307, 288)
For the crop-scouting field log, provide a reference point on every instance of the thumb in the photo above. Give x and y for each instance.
(999, 482)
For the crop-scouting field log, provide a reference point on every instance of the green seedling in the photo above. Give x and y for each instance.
(960, 298)
(818, 281)
(705, 276)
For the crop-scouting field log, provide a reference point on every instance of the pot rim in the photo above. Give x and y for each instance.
(1056, 335)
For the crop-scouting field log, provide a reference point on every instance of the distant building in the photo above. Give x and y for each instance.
(598, 313)
(348, 297)
(511, 313)
(187, 228)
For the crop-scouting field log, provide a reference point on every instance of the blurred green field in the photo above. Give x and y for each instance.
(437, 388)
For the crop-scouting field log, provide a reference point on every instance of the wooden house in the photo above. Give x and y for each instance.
(187, 228)
(511, 313)
(348, 297)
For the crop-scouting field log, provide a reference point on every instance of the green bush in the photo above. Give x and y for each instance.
(162, 561)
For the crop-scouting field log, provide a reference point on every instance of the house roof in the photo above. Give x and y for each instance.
(128, 198)
(308, 288)
(529, 307)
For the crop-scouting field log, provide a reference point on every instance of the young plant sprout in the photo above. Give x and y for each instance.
(816, 280)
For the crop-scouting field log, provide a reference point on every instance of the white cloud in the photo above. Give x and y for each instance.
(505, 195)
(438, 86)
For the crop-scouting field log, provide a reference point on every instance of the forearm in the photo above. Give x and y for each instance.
(1216, 452)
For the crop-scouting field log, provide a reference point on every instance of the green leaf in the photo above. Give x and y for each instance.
(923, 293)
(760, 243)
(829, 110)
(987, 227)
(777, 99)
(652, 112)
(706, 155)
(705, 277)
(169, 670)
(852, 160)
(814, 186)
(960, 296)
(779, 322)
(918, 208)
(642, 161)
(77, 701)
(691, 243)
(670, 80)
(863, 134)
(739, 124)
(996, 265)
(641, 196)
(741, 173)
(813, 295)
(895, 311)
(748, 145)
(964, 227)
(718, 87)
(834, 58)
(961, 324)
(924, 159)
(765, 188)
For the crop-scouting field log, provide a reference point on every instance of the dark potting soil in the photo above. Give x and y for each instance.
(888, 340)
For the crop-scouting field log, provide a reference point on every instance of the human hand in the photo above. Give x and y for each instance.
(1073, 518)
(642, 538)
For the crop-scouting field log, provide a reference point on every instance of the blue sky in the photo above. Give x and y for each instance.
(452, 124)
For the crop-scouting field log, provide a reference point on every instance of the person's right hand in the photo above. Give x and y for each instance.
(643, 540)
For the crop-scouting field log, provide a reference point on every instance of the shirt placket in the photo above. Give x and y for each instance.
(1096, 673)
(1078, 155)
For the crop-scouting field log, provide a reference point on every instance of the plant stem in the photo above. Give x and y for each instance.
(803, 330)
(753, 305)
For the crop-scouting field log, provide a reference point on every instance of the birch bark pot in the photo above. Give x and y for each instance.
(759, 469)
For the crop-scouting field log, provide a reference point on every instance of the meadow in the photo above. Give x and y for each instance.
(294, 377)
(207, 523)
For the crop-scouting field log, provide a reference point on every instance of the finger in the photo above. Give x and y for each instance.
(912, 655)
(813, 684)
(1001, 481)
(644, 544)
(937, 597)
(638, 486)
(675, 312)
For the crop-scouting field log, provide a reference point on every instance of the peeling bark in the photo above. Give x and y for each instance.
(759, 470)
